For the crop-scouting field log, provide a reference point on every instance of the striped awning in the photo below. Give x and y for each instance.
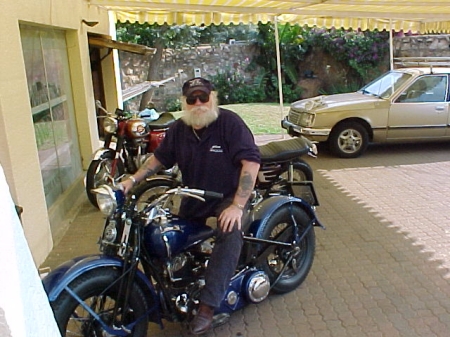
(416, 15)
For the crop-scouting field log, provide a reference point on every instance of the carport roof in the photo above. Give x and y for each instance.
(415, 15)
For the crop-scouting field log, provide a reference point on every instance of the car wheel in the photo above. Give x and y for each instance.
(349, 140)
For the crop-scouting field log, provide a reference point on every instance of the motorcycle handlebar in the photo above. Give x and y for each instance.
(215, 195)
(195, 192)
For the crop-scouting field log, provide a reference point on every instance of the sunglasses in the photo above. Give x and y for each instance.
(204, 98)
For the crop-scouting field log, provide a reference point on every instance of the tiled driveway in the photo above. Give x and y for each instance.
(381, 266)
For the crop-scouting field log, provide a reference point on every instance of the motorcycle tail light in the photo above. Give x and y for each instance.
(110, 125)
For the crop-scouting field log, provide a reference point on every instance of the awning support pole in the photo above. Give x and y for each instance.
(280, 82)
(391, 45)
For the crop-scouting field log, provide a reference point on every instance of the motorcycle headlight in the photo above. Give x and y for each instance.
(106, 199)
(110, 125)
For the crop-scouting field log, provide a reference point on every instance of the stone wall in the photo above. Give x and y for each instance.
(423, 45)
(199, 61)
(209, 60)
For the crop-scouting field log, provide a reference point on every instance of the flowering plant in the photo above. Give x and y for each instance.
(363, 50)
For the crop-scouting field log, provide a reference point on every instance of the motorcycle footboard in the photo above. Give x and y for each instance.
(305, 190)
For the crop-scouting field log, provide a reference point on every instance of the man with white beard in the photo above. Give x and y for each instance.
(215, 151)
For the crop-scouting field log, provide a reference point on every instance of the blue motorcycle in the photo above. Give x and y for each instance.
(151, 264)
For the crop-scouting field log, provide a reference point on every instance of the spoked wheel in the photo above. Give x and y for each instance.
(288, 266)
(99, 291)
(301, 172)
(99, 173)
(149, 190)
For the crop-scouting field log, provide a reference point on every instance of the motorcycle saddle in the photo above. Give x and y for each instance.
(163, 122)
(284, 150)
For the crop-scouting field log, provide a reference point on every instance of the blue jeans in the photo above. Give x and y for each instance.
(223, 262)
(221, 267)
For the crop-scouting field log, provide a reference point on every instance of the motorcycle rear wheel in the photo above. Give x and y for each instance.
(98, 174)
(301, 172)
(99, 290)
(280, 228)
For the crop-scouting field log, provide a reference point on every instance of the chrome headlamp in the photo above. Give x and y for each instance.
(110, 125)
(106, 199)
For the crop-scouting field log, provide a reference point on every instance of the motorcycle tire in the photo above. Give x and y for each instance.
(280, 228)
(302, 172)
(148, 190)
(97, 174)
(98, 289)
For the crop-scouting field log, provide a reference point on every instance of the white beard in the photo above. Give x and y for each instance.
(200, 116)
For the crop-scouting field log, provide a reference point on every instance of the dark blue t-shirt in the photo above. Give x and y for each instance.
(212, 163)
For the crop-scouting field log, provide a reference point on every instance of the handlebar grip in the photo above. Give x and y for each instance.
(209, 194)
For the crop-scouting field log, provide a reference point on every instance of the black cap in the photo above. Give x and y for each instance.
(197, 84)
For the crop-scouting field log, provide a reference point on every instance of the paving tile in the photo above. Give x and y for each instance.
(381, 266)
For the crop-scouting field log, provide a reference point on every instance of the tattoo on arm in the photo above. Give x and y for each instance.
(149, 172)
(246, 183)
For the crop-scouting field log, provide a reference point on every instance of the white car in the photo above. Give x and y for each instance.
(403, 105)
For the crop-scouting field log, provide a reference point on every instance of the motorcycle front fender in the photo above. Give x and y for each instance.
(59, 278)
(264, 210)
(168, 177)
(103, 152)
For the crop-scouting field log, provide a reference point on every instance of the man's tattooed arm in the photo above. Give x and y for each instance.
(247, 181)
(150, 167)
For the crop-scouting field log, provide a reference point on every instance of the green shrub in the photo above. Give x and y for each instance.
(232, 88)
(172, 104)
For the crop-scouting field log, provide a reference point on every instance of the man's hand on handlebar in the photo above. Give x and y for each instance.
(126, 185)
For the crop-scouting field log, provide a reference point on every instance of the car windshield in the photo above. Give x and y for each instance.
(385, 85)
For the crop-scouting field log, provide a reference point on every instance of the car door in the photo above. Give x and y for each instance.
(421, 110)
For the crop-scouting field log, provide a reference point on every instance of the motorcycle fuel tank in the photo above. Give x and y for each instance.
(135, 128)
(171, 239)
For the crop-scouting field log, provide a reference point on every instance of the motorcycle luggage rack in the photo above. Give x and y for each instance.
(305, 190)
(422, 61)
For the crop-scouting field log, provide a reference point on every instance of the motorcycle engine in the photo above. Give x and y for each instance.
(257, 287)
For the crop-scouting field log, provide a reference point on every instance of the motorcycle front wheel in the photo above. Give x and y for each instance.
(287, 267)
(98, 289)
(99, 173)
(148, 190)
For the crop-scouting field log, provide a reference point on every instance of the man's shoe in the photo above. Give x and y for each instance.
(203, 320)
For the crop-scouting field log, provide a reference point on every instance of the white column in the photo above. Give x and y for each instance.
(24, 307)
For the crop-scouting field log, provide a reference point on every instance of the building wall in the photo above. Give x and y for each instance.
(18, 151)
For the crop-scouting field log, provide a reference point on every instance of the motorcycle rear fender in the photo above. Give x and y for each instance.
(264, 210)
(102, 153)
(55, 282)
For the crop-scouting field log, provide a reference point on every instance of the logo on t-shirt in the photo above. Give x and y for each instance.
(216, 148)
